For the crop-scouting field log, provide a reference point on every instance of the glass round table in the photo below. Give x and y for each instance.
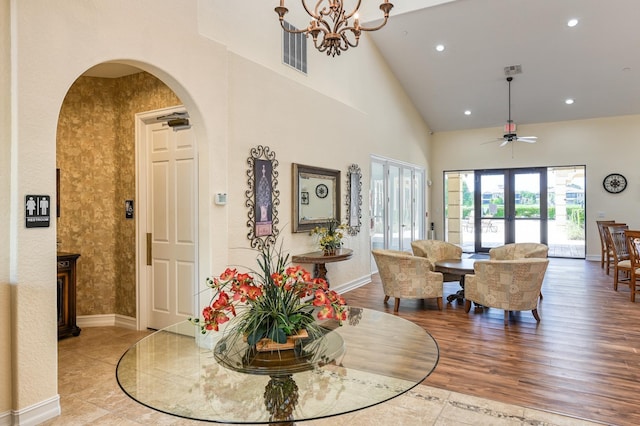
(372, 358)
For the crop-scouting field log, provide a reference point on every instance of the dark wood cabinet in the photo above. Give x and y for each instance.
(66, 283)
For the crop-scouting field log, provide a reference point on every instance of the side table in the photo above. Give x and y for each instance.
(319, 260)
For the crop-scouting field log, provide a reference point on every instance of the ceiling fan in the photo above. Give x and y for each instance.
(510, 128)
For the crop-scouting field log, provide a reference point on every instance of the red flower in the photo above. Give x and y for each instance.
(221, 302)
(340, 315)
(244, 279)
(277, 279)
(321, 283)
(207, 313)
(228, 274)
(219, 318)
(294, 270)
(254, 292)
(326, 312)
(212, 318)
(320, 299)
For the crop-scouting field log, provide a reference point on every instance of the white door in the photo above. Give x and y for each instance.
(171, 225)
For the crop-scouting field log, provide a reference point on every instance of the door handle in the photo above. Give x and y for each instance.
(149, 254)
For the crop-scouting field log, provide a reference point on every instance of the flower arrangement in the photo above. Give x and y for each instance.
(275, 302)
(330, 236)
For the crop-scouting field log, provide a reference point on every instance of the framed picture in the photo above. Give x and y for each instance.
(262, 197)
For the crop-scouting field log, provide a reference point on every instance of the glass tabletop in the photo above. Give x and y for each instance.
(370, 359)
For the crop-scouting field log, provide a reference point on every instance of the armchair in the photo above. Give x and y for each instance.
(405, 276)
(519, 251)
(434, 251)
(512, 285)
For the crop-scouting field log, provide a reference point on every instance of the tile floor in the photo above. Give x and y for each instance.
(90, 395)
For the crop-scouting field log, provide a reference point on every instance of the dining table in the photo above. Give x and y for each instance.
(459, 268)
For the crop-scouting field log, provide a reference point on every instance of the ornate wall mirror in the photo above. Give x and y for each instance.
(354, 199)
(316, 196)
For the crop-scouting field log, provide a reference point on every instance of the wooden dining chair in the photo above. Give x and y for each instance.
(605, 250)
(621, 263)
(633, 245)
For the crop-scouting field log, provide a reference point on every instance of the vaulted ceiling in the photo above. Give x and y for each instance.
(596, 63)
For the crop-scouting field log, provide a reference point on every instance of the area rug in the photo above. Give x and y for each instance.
(425, 405)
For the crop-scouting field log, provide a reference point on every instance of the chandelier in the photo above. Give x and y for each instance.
(330, 27)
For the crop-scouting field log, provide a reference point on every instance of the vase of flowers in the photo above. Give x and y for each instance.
(330, 236)
(275, 302)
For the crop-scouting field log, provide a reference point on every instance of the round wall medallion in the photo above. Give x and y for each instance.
(322, 191)
(614, 183)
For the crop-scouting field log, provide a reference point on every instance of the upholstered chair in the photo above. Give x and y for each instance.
(519, 251)
(405, 276)
(436, 250)
(512, 285)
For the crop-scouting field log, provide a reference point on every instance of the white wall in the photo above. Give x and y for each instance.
(603, 145)
(5, 168)
(347, 109)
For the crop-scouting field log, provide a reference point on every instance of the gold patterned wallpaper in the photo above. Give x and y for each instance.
(96, 158)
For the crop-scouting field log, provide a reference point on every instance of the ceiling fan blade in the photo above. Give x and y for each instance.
(504, 143)
(528, 139)
(492, 141)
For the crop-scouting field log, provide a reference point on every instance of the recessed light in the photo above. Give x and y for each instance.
(440, 47)
(568, 101)
(467, 112)
(572, 22)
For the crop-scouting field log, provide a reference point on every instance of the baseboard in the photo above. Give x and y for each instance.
(593, 257)
(352, 285)
(107, 320)
(6, 418)
(37, 413)
(126, 322)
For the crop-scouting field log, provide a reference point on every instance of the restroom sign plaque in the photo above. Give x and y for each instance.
(37, 211)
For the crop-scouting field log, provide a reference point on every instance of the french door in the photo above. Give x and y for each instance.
(487, 208)
(397, 204)
(510, 206)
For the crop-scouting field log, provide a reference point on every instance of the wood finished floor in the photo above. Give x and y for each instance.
(582, 359)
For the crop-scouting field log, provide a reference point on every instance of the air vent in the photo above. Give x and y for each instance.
(512, 70)
(294, 49)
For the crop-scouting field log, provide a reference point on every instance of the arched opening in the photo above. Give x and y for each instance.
(96, 159)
